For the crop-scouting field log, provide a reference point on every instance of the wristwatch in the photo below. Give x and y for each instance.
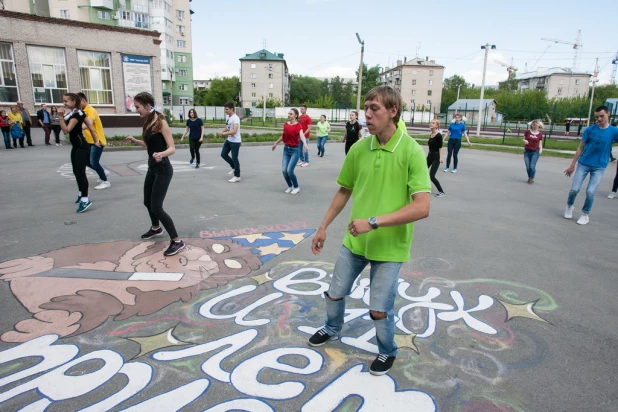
(373, 221)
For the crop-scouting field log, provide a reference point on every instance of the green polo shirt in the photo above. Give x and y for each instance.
(383, 180)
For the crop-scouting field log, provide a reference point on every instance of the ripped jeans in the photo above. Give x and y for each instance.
(383, 286)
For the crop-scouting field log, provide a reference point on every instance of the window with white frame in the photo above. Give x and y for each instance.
(181, 43)
(253, 85)
(164, 86)
(430, 82)
(180, 28)
(65, 14)
(253, 75)
(271, 76)
(559, 90)
(181, 59)
(95, 74)
(413, 92)
(561, 82)
(183, 101)
(183, 87)
(183, 73)
(577, 81)
(270, 95)
(253, 94)
(271, 86)
(253, 65)
(429, 92)
(428, 101)
(104, 15)
(414, 72)
(431, 72)
(414, 82)
(49, 74)
(8, 77)
(576, 91)
(180, 14)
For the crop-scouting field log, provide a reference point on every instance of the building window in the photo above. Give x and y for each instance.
(104, 15)
(429, 92)
(183, 101)
(577, 82)
(576, 91)
(414, 82)
(270, 85)
(183, 73)
(561, 82)
(8, 78)
(253, 94)
(429, 102)
(180, 29)
(430, 82)
(271, 76)
(431, 72)
(64, 14)
(559, 90)
(253, 104)
(253, 65)
(253, 85)
(413, 92)
(253, 75)
(414, 72)
(180, 14)
(183, 87)
(95, 75)
(181, 59)
(181, 43)
(270, 95)
(164, 86)
(48, 69)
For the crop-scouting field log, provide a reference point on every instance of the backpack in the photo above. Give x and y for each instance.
(16, 132)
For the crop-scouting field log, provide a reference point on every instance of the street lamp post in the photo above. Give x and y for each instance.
(268, 68)
(594, 82)
(171, 70)
(486, 47)
(360, 73)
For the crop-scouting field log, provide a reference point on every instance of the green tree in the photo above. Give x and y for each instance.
(199, 97)
(271, 103)
(348, 93)
(371, 78)
(223, 90)
(336, 89)
(304, 89)
(325, 101)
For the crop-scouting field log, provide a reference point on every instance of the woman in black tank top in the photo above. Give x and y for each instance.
(158, 141)
(434, 157)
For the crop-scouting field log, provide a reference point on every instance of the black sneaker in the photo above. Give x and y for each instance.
(382, 365)
(174, 248)
(321, 337)
(152, 233)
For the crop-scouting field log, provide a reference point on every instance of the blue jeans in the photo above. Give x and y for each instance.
(7, 138)
(383, 290)
(232, 161)
(95, 156)
(304, 156)
(530, 158)
(596, 174)
(453, 147)
(321, 142)
(288, 163)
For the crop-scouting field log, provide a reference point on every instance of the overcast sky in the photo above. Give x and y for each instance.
(318, 36)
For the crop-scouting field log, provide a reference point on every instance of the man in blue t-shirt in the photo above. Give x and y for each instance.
(591, 157)
(456, 130)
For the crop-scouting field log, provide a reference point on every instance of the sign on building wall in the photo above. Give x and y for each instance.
(137, 78)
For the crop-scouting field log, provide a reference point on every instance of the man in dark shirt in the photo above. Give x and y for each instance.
(45, 122)
(352, 130)
(27, 121)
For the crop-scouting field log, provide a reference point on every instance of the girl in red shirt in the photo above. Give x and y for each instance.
(292, 137)
(533, 139)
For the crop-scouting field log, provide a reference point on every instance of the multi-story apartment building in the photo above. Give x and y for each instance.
(419, 81)
(558, 82)
(171, 18)
(264, 75)
(202, 84)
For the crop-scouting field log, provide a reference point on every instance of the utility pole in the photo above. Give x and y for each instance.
(457, 108)
(360, 73)
(268, 68)
(594, 82)
(478, 124)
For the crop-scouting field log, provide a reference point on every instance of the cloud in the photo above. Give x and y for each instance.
(492, 77)
(209, 54)
(212, 70)
(333, 71)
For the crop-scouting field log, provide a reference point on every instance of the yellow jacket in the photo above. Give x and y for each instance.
(92, 114)
(16, 118)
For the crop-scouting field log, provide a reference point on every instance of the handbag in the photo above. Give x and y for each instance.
(16, 132)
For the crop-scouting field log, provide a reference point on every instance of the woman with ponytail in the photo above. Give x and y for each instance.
(158, 141)
(71, 123)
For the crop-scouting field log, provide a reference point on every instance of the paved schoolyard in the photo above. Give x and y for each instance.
(505, 305)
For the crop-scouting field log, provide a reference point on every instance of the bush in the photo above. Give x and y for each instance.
(168, 115)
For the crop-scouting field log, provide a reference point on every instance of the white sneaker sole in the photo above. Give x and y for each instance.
(316, 345)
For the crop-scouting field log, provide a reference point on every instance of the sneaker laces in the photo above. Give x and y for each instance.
(382, 358)
(322, 332)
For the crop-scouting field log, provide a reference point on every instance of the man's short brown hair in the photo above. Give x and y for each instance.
(389, 97)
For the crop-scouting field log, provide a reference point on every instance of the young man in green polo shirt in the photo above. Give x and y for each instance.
(387, 176)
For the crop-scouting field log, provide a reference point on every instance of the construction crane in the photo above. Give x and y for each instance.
(509, 68)
(536, 63)
(612, 79)
(576, 46)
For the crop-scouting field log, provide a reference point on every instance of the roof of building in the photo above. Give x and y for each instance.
(549, 72)
(469, 104)
(415, 62)
(75, 23)
(264, 55)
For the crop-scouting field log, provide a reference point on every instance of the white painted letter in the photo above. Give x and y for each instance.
(173, 400)
(285, 282)
(248, 405)
(206, 308)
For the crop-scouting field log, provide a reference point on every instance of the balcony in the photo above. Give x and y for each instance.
(102, 4)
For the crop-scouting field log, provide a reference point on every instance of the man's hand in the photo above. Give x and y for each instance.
(274, 147)
(569, 171)
(219, 134)
(359, 226)
(318, 241)
(97, 143)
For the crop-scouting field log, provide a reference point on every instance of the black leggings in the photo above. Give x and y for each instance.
(348, 145)
(79, 161)
(433, 162)
(453, 149)
(156, 184)
(56, 129)
(194, 147)
(615, 186)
